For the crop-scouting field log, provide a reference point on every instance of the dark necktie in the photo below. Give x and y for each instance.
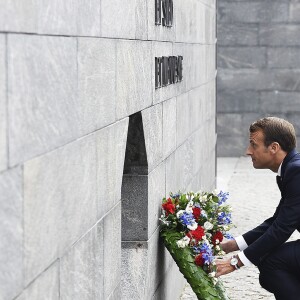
(279, 182)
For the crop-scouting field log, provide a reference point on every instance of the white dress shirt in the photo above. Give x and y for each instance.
(242, 243)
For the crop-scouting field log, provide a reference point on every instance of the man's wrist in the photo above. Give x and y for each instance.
(240, 263)
(234, 262)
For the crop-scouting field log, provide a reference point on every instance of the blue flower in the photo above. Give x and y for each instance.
(206, 251)
(223, 196)
(224, 218)
(187, 219)
(228, 236)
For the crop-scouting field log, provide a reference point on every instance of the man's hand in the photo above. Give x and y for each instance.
(229, 246)
(223, 267)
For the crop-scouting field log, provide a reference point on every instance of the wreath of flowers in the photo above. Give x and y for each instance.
(193, 226)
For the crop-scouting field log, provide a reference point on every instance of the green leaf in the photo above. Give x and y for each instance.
(201, 284)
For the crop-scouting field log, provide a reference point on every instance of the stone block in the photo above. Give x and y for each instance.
(124, 19)
(169, 126)
(252, 12)
(198, 107)
(111, 144)
(11, 232)
(294, 11)
(183, 121)
(18, 15)
(159, 261)
(116, 294)
(241, 57)
(229, 124)
(293, 118)
(198, 65)
(231, 146)
(57, 17)
(284, 79)
(243, 79)
(279, 35)
(46, 286)
(171, 184)
(69, 17)
(283, 57)
(190, 20)
(88, 18)
(3, 105)
(42, 94)
(59, 190)
(238, 101)
(184, 166)
(134, 260)
(279, 102)
(96, 82)
(89, 270)
(211, 60)
(164, 291)
(153, 131)
(112, 250)
(134, 79)
(234, 124)
(156, 192)
(242, 35)
(143, 267)
(135, 208)
(210, 25)
(82, 267)
(259, 80)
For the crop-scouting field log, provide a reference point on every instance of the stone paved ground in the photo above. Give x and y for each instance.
(253, 196)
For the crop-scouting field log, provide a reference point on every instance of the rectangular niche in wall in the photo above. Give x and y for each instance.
(135, 183)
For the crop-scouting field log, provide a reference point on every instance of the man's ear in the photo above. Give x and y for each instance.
(274, 147)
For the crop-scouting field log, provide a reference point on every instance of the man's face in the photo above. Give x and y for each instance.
(261, 155)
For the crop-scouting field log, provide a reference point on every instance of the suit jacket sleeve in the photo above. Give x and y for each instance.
(276, 230)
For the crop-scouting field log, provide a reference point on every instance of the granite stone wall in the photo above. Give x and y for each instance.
(88, 146)
(258, 67)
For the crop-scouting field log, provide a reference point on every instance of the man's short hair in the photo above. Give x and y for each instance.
(276, 130)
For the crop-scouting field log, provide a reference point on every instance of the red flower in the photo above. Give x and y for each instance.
(196, 234)
(169, 207)
(199, 260)
(217, 236)
(196, 213)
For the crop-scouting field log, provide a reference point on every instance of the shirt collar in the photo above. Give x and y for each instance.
(279, 170)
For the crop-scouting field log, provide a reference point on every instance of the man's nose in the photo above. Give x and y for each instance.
(248, 152)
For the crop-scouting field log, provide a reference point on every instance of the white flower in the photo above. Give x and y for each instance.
(208, 225)
(203, 198)
(215, 192)
(203, 213)
(194, 226)
(218, 248)
(183, 242)
(189, 207)
(212, 274)
(217, 241)
(179, 213)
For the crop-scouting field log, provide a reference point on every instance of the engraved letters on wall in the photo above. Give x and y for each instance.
(164, 12)
(168, 70)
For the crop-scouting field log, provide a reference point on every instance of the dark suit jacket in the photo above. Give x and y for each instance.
(276, 230)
